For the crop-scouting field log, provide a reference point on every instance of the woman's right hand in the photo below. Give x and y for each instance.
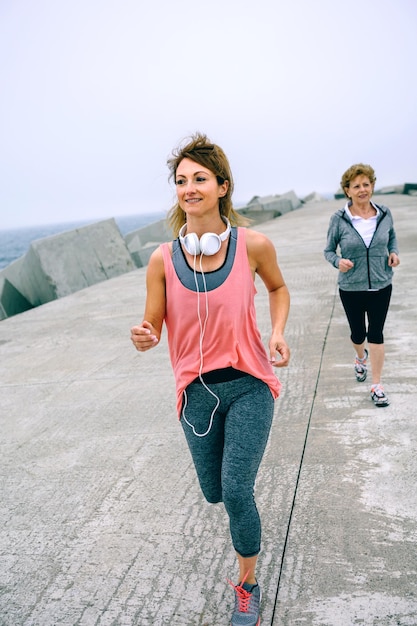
(144, 337)
(345, 265)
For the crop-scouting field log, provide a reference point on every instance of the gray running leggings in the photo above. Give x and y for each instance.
(227, 459)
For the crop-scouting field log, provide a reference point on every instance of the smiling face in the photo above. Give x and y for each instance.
(198, 190)
(360, 189)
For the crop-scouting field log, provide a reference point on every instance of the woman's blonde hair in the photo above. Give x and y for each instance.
(200, 149)
(359, 169)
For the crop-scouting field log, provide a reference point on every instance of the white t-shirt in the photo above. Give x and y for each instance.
(365, 228)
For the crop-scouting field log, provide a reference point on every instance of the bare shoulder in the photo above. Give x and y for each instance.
(156, 263)
(258, 244)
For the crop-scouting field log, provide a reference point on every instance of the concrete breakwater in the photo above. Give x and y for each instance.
(62, 264)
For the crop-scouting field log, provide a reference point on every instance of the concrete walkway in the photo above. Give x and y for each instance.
(101, 519)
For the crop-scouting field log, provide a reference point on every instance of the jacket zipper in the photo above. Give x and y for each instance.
(370, 244)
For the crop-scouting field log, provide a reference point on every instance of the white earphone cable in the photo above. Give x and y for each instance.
(203, 326)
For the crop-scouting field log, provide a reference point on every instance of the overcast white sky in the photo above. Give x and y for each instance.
(94, 94)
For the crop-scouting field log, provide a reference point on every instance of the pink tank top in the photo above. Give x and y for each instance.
(231, 337)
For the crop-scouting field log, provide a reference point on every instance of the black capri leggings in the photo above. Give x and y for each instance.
(372, 305)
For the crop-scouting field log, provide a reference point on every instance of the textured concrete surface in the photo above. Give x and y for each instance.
(101, 518)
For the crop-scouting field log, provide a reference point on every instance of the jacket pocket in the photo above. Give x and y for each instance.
(381, 272)
(358, 273)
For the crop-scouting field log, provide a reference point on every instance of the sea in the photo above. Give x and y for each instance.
(14, 243)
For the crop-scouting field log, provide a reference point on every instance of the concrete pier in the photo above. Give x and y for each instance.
(102, 521)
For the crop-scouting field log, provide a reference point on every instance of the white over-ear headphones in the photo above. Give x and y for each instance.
(209, 243)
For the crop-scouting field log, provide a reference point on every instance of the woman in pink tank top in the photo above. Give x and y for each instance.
(202, 286)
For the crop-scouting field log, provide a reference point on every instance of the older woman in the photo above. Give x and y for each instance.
(364, 234)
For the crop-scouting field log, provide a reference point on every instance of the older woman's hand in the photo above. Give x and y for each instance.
(393, 260)
(345, 265)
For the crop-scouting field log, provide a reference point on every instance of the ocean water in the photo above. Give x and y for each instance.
(15, 243)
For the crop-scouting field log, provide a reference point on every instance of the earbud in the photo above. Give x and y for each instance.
(209, 243)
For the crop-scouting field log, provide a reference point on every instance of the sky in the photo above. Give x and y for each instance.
(95, 94)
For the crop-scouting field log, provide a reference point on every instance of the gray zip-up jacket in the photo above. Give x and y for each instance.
(370, 269)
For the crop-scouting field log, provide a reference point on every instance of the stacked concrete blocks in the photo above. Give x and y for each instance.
(63, 264)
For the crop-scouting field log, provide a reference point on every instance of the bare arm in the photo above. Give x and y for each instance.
(148, 334)
(263, 261)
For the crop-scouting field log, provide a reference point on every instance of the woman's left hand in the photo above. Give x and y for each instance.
(393, 260)
(278, 344)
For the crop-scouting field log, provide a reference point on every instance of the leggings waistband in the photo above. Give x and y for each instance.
(222, 375)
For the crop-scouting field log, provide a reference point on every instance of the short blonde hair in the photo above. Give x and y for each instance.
(359, 169)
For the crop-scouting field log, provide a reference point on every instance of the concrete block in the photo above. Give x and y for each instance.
(263, 203)
(391, 190)
(256, 216)
(289, 197)
(314, 197)
(12, 301)
(142, 242)
(62, 264)
(11, 274)
(410, 189)
(157, 232)
(278, 203)
(144, 254)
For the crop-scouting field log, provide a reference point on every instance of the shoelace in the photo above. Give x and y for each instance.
(362, 361)
(243, 596)
(378, 391)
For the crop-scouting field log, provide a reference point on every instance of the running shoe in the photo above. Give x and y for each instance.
(361, 369)
(378, 395)
(247, 602)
